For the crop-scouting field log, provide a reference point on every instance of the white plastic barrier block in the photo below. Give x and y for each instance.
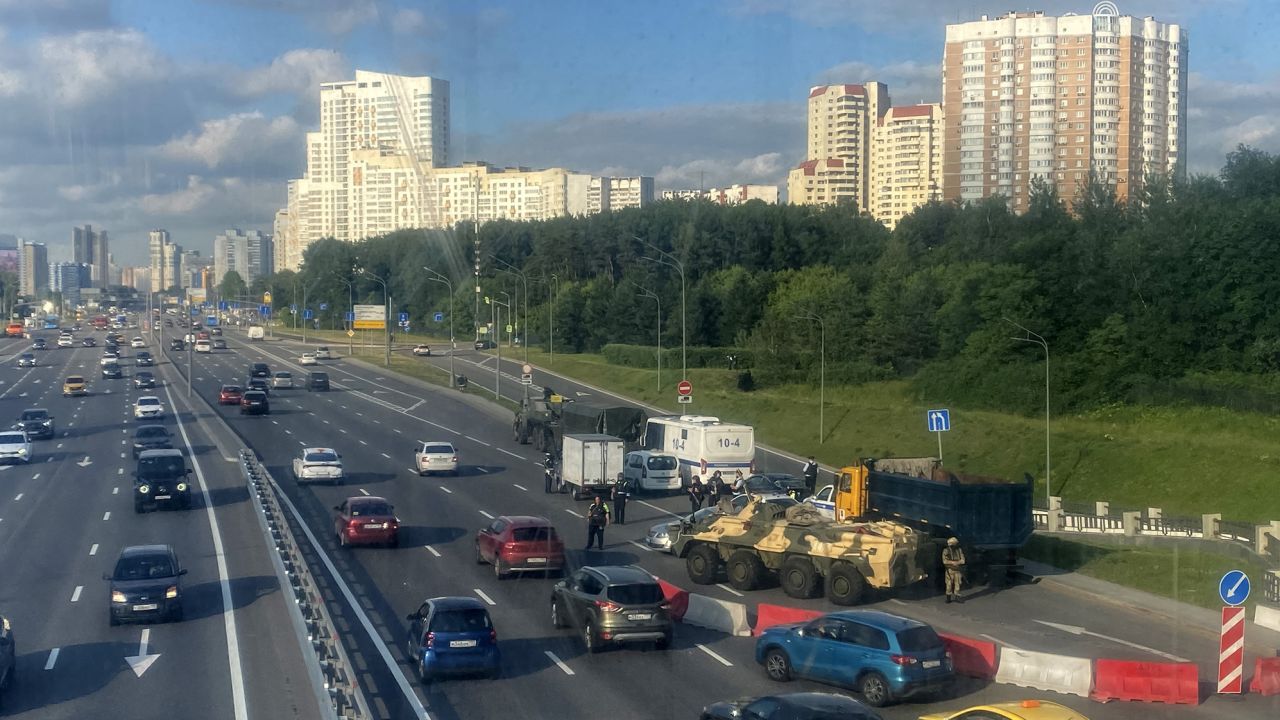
(727, 617)
(1043, 671)
(1267, 617)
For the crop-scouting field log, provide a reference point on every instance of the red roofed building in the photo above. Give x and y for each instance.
(838, 164)
(906, 161)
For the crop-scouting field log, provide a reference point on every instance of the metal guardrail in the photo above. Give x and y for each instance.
(1187, 527)
(1080, 522)
(1271, 588)
(339, 675)
(1241, 532)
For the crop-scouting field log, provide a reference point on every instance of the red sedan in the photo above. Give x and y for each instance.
(520, 543)
(230, 395)
(366, 521)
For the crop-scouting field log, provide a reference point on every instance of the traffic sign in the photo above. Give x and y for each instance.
(526, 369)
(324, 306)
(348, 316)
(264, 310)
(293, 309)
(1234, 587)
(351, 333)
(1231, 651)
(439, 317)
(266, 298)
(526, 379)
(306, 313)
(508, 327)
(684, 399)
(939, 420)
(404, 317)
(222, 305)
(685, 388)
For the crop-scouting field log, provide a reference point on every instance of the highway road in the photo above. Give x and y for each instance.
(64, 518)
(373, 418)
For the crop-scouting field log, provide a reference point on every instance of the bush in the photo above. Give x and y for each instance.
(746, 383)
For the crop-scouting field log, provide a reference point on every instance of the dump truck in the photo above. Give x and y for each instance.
(991, 517)
(545, 421)
(777, 537)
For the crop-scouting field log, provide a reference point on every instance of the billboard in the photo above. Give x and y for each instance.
(370, 317)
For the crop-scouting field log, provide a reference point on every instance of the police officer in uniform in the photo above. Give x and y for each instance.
(597, 519)
(810, 473)
(697, 491)
(621, 493)
(715, 488)
(953, 561)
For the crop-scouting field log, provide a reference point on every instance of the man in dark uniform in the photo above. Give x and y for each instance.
(715, 488)
(697, 490)
(621, 493)
(597, 519)
(810, 473)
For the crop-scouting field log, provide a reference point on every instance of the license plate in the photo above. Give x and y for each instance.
(148, 606)
(931, 663)
(163, 497)
(640, 616)
(535, 561)
(373, 526)
(462, 643)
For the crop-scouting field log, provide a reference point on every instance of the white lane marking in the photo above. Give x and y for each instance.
(17, 497)
(521, 487)
(119, 471)
(238, 701)
(106, 515)
(385, 455)
(446, 489)
(53, 659)
(75, 594)
(661, 510)
(573, 512)
(94, 550)
(362, 490)
(59, 446)
(729, 590)
(477, 440)
(326, 422)
(398, 431)
(115, 491)
(714, 654)
(275, 422)
(36, 476)
(486, 514)
(363, 442)
(518, 457)
(1076, 630)
(288, 432)
(121, 454)
(559, 663)
(484, 597)
(642, 546)
(432, 550)
(482, 469)
(342, 430)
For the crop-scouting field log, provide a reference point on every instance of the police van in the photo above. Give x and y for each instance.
(703, 444)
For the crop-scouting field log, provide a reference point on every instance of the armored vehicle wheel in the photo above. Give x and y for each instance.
(799, 578)
(703, 564)
(744, 570)
(845, 585)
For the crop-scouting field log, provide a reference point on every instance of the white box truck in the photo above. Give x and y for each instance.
(590, 464)
(255, 332)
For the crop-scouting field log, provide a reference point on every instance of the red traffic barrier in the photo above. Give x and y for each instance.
(975, 658)
(1266, 676)
(677, 599)
(770, 615)
(1176, 683)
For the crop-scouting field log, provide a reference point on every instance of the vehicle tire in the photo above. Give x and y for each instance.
(479, 557)
(874, 689)
(664, 643)
(799, 578)
(777, 665)
(557, 615)
(395, 541)
(424, 677)
(176, 615)
(845, 585)
(745, 570)
(703, 564)
(590, 639)
(111, 618)
(498, 572)
(337, 481)
(138, 508)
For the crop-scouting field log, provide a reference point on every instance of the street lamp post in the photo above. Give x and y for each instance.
(453, 345)
(524, 279)
(656, 298)
(386, 320)
(496, 317)
(351, 308)
(1037, 339)
(551, 305)
(509, 313)
(822, 372)
(670, 261)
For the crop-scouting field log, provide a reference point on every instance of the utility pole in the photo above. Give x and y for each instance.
(386, 321)
(453, 345)
(1037, 339)
(822, 373)
(656, 298)
(551, 305)
(670, 261)
(475, 255)
(524, 279)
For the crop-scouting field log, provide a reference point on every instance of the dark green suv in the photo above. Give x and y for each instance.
(612, 604)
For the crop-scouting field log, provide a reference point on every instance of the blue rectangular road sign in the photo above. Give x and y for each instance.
(439, 317)
(939, 420)
(324, 306)
(306, 313)
(222, 305)
(404, 317)
(264, 310)
(349, 316)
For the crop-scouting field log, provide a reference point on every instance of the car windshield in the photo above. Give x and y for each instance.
(255, 396)
(457, 621)
(163, 466)
(321, 457)
(148, 401)
(28, 415)
(636, 593)
(761, 484)
(370, 509)
(74, 379)
(533, 534)
(144, 375)
(144, 567)
(662, 462)
(12, 438)
(437, 449)
(230, 388)
(152, 432)
(919, 639)
(283, 375)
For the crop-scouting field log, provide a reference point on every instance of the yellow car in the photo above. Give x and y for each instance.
(1022, 710)
(74, 385)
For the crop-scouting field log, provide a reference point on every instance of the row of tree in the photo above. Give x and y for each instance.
(1179, 279)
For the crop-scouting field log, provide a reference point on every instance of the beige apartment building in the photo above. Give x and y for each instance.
(1060, 98)
(837, 168)
(906, 161)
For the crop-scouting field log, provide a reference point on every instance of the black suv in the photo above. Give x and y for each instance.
(37, 423)
(254, 402)
(151, 437)
(144, 359)
(317, 381)
(112, 370)
(259, 370)
(161, 477)
(144, 379)
(257, 383)
(177, 344)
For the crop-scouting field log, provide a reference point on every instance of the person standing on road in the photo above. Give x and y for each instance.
(597, 519)
(953, 561)
(739, 482)
(621, 493)
(810, 472)
(697, 492)
(715, 488)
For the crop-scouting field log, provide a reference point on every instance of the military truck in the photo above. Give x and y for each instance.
(545, 421)
(805, 551)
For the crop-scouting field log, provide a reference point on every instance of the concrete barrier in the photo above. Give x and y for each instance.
(727, 617)
(1044, 671)
(975, 658)
(769, 615)
(1267, 617)
(677, 599)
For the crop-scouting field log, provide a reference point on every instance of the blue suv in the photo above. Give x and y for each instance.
(453, 635)
(884, 657)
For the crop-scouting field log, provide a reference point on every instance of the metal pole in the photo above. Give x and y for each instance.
(1038, 339)
(670, 261)
(453, 345)
(386, 326)
(508, 295)
(525, 280)
(657, 298)
(822, 373)
(551, 303)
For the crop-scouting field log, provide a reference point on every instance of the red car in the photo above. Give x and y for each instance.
(230, 395)
(520, 543)
(366, 521)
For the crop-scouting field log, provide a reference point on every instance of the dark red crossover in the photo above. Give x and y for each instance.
(366, 521)
(520, 543)
(229, 395)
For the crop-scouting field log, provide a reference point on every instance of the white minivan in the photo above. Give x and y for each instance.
(652, 471)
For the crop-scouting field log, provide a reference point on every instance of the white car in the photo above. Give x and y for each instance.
(322, 353)
(15, 446)
(318, 465)
(422, 350)
(433, 457)
(66, 341)
(148, 406)
(189, 338)
(203, 346)
(109, 357)
(308, 359)
(281, 379)
(137, 343)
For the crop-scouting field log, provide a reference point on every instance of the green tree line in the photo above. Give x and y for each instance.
(1177, 286)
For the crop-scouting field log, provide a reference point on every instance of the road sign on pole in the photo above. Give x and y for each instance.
(685, 388)
(439, 317)
(684, 399)
(306, 313)
(324, 306)
(1234, 587)
(939, 421)
(1231, 650)
(404, 317)
(348, 316)
(266, 298)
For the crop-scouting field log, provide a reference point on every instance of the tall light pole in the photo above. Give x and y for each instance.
(524, 279)
(453, 345)
(507, 295)
(656, 298)
(386, 321)
(551, 305)
(494, 303)
(1037, 339)
(475, 256)
(822, 373)
(351, 308)
(670, 261)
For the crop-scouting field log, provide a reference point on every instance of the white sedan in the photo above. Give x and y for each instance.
(148, 406)
(15, 446)
(308, 359)
(318, 464)
(66, 341)
(431, 457)
(137, 343)
(422, 350)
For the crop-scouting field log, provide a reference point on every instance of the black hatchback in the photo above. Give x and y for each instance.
(254, 402)
(151, 437)
(317, 381)
(259, 370)
(146, 585)
(37, 423)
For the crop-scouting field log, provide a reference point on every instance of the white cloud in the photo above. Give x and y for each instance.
(407, 21)
(93, 65)
(238, 140)
(178, 202)
(335, 16)
(1224, 114)
(298, 72)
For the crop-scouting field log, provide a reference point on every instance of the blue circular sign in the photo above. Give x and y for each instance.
(1234, 587)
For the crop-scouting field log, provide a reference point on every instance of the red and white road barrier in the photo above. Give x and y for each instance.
(1231, 651)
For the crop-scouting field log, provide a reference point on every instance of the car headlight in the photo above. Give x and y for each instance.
(117, 597)
(386, 525)
(144, 489)
(182, 487)
(22, 451)
(171, 592)
(4, 625)
(47, 423)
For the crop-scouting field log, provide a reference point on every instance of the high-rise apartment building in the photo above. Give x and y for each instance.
(166, 261)
(1062, 99)
(33, 268)
(192, 268)
(906, 161)
(837, 168)
(65, 278)
(248, 253)
(90, 247)
(732, 195)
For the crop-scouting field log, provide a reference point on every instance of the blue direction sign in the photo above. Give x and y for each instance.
(222, 305)
(349, 316)
(439, 317)
(264, 310)
(1234, 587)
(306, 313)
(404, 317)
(324, 306)
(939, 420)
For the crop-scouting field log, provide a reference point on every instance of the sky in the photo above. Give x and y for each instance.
(189, 115)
